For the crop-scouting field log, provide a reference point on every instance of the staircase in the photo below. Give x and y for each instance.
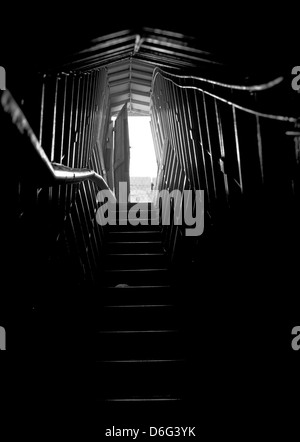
(140, 341)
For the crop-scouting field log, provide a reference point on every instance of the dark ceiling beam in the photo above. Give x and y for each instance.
(114, 83)
(102, 55)
(165, 33)
(159, 58)
(99, 64)
(111, 36)
(107, 44)
(169, 44)
(141, 75)
(126, 100)
(114, 95)
(156, 63)
(141, 81)
(139, 102)
(137, 92)
(77, 64)
(120, 72)
(139, 64)
(176, 54)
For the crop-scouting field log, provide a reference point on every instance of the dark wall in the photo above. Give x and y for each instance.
(52, 242)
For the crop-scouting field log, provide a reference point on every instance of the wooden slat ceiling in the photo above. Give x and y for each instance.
(130, 81)
(130, 58)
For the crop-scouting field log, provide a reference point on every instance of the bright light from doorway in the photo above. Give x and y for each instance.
(143, 166)
(142, 155)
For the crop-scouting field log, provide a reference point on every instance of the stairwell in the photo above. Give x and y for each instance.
(141, 351)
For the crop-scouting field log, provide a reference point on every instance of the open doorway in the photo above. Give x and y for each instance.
(143, 165)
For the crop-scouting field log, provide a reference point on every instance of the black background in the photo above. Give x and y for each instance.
(253, 37)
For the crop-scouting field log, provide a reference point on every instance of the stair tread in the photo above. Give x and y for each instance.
(137, 270)
(137, 331)
(138, 361)
(136, 345)
(137, 254)
(139, 306)
(142, 246)
(139, 227)
(143, 399)
(134, 236)
(134, 242)
(138, 287)
(135, 232)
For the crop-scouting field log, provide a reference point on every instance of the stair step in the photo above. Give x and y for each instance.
(154, 330)
(137, 295)
(134, 247)
(145, 399)
(131, 260)
(136, 344)
(123, 306)
(139, 345)
(138, 317)
(159, 410)
(143, 207)
(139, 227)
(140, 361)
(135, 236)
(136, 276)
(139, 378)
(146, 214)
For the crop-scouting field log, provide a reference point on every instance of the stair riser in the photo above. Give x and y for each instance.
(137, 347)
(156, 413)
(140, 227)
(157, 345)
(139, 379)
(131, 261)
(135, 236)
(135, 296)
(134, 247)
(160, 277)
(138, 318)
(142, 214)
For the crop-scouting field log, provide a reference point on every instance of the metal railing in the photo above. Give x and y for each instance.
(214, 136)
(55, 173)
(52, 219)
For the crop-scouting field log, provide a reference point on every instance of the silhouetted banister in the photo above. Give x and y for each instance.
(216, 137)
(240, 87)
(251, 88)
(57, 173)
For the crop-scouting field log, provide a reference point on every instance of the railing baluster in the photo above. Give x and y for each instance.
(222, 158)
(259, 147)
(202, 158)
(52, 153)
(42, 109)
(237, 147)
(209, 149)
